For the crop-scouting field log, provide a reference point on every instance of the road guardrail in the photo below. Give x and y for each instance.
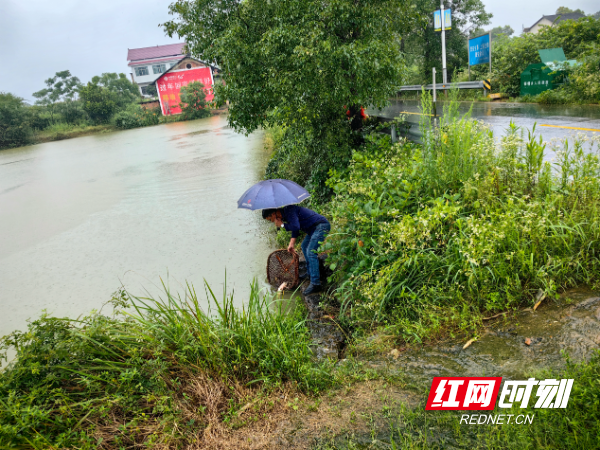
(444, 86)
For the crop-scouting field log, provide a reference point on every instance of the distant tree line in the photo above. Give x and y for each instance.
(66, 104)
(578, 38)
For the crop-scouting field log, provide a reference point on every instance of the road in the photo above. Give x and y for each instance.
(553, 121)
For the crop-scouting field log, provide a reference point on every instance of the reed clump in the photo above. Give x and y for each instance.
(164, 372)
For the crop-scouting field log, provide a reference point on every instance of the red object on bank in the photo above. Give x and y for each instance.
(363, 113)
(463, 393)
(170, 84)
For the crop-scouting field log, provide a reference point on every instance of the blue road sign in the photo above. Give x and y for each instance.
(479, 50)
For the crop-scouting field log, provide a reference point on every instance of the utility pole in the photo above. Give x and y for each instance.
(444, 73)
(490, 35)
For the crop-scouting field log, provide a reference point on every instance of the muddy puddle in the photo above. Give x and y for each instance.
(512, 346)
(387, 414)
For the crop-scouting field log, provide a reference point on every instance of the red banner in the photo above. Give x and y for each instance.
(170, 84)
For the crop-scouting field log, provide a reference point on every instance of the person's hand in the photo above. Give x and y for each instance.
(291, 248)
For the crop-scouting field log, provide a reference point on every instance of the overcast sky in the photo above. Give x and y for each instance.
(39, 37)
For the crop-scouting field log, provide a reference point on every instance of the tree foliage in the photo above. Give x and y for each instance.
(193, 101)
(61, 88)
(14, 126)
(567, 10)
(98, 102)
(506, 30)
(123, 91)
(151, 90)
(425, 44)
(511, 56)
(299, 64)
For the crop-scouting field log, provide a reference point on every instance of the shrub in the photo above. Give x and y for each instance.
(193, 101)
(161, 376)
(14, 126)
(560, 96)
(299, 157)
(512, 55)
(98, 102)
(432, 236)
(135, 116)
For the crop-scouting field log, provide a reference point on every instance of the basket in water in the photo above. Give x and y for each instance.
(282, 267)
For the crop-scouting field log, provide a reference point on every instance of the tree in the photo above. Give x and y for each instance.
(566, 10)
(506, 30)
(511, 56)
(425, 45)
(300, 64)
(124, 91)
(62, 88)
(193, 101)
(151, 90)
(98, 102)
(14, 127)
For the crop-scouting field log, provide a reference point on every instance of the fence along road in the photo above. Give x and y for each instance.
(553, 121)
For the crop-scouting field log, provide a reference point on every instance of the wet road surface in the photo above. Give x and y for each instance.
(553, 121)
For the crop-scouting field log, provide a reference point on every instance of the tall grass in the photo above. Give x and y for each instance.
(159, 374)
(432, 238)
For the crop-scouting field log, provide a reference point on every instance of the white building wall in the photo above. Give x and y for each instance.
(145, 80)
(538, 26)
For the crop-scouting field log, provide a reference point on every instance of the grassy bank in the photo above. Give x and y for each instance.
(395, 424)
(428, 240)
(61, 131)
(165, 373)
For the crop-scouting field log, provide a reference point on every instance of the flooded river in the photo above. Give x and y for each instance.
(81, 216)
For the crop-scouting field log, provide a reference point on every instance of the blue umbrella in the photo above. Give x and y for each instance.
(272, 194)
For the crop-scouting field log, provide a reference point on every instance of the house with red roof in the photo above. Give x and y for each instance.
(149, 63)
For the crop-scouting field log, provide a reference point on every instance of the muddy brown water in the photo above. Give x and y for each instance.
(81, 216)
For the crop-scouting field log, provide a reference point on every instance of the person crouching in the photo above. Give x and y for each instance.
(295, 218)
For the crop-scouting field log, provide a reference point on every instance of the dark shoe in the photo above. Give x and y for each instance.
(312, 289)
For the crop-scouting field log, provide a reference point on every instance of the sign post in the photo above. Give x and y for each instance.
(444, 75)
(490, 38)
(434, 93)
(442, 21)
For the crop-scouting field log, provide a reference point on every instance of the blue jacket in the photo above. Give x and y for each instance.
(297, 218)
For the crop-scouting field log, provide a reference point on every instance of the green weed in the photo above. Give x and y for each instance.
(159, 375)
(429, 239)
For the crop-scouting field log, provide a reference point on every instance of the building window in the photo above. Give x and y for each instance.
(159, 68)
(144, 90)
(141, 71)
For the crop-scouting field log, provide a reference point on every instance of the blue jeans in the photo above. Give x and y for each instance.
(310, 244)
